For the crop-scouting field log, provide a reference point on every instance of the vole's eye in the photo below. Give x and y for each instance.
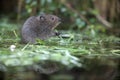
(42, 18)
(52, 18)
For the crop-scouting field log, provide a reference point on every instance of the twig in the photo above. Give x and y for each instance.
(103, 21)
(75, 11)
(20, 2)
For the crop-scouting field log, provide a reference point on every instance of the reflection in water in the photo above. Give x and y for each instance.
(95, 69)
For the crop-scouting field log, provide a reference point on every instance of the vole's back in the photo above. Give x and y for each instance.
(40, 27)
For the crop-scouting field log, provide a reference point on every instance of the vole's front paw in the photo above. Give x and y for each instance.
(57, 33)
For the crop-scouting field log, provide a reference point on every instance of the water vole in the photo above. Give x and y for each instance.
(39, 27)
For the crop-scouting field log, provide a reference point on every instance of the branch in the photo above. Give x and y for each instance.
(75, 11)
(103, 21)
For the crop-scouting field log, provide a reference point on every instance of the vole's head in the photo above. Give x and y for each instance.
(51, 21)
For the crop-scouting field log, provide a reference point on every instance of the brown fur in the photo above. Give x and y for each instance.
(39, 27)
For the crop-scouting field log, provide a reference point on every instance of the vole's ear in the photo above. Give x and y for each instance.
(42, 18)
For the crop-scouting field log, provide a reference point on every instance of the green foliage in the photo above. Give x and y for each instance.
(64, 50)
(71, 49)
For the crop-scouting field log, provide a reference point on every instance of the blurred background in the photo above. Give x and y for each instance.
(104, 15)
